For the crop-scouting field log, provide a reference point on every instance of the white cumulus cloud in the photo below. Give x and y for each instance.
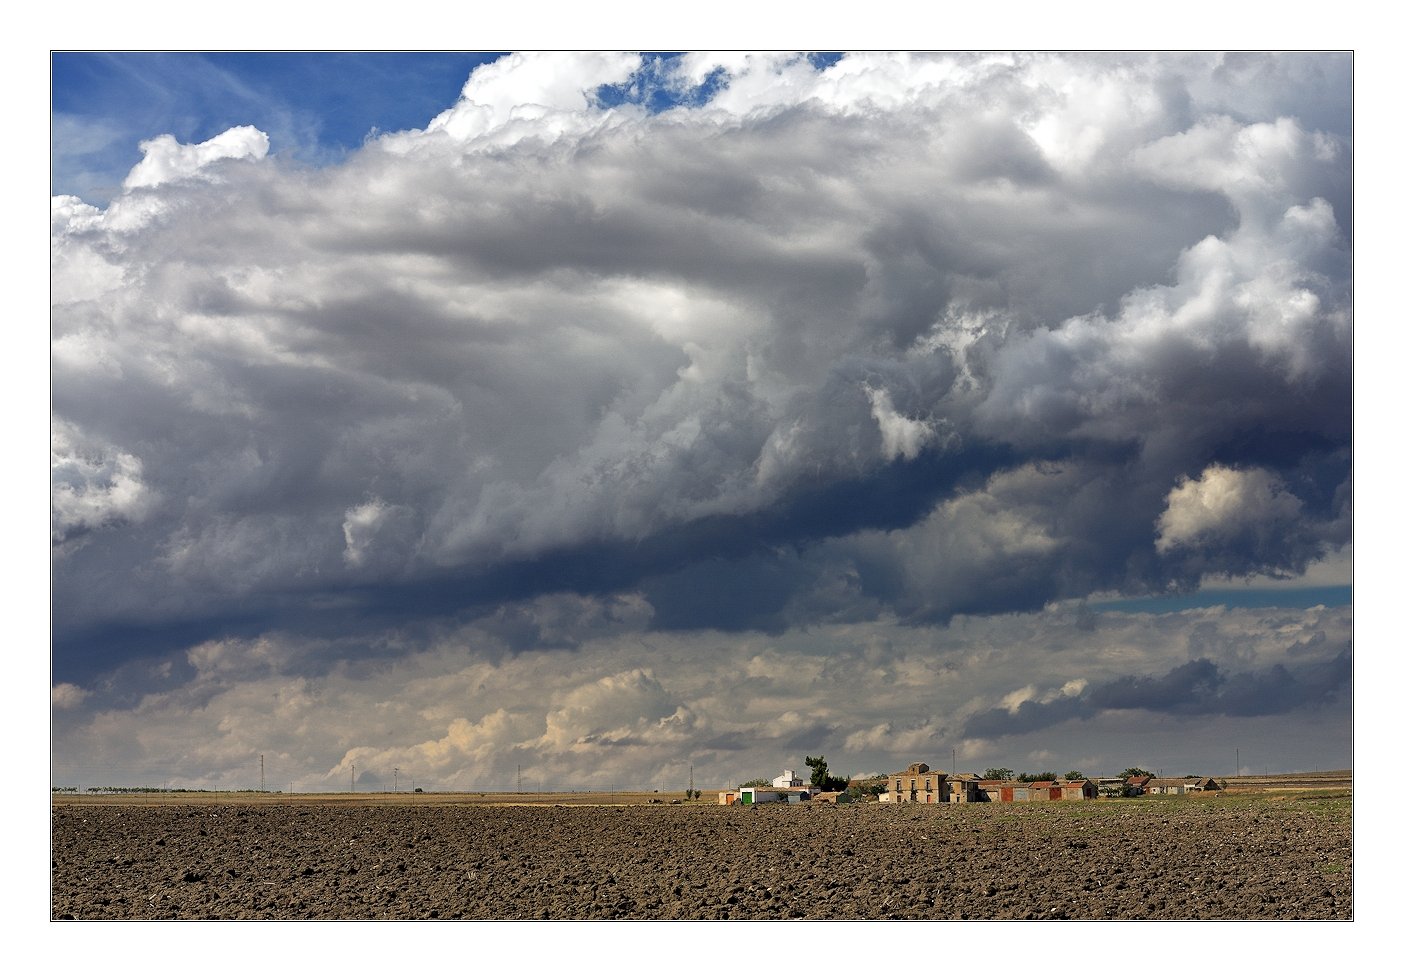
(1220, 503)
(166, 160)
(94, 484)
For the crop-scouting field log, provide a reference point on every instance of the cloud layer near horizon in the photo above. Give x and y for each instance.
(632, 708)
(869, 340)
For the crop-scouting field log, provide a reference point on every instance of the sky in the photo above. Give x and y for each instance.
(632, 418)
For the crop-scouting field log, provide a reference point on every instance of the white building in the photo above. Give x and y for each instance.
(789, 779)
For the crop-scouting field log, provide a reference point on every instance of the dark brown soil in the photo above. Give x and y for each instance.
(1112, 859)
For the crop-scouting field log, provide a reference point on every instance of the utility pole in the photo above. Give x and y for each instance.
(260, 772)
(1236, 770)
(353, 777)
(519, 777)
(397, 779)
(690, 786)
(953, 761)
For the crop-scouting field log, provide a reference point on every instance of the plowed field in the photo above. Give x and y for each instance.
(1239, 858)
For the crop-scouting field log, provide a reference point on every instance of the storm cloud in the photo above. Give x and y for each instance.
(727, 343)
(1195, 688)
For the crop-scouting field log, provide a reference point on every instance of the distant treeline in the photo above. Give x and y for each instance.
(150, 789)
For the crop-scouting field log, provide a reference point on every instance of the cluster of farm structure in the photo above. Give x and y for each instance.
(919, 783)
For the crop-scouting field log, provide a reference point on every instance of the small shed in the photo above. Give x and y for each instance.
(1076, 790)
(997, 791)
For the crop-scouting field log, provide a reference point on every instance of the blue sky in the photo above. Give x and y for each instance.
(315, 106)
(618, 413)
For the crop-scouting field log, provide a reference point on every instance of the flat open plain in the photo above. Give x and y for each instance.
(1285, 856)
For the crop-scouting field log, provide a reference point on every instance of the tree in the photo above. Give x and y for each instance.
(819, 775)
(1003, 773)
(1074, 775)
(1037, 777)
(750, 783)
(1126, 774)
(869, 787)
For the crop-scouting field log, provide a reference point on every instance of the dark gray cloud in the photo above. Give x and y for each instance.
(1197, 688)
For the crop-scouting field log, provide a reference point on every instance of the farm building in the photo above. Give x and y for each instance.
(1004, 791)
(919, 784)
(772, 794)
(1043, 790)
(1063, 790)
(1011, 791)
(964, 788)
(788, 787)
(1136, 785)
